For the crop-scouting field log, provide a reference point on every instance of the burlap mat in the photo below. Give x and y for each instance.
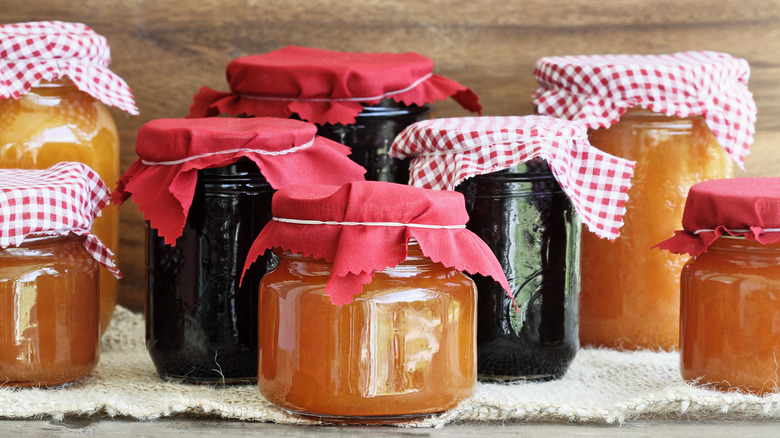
(602, 386)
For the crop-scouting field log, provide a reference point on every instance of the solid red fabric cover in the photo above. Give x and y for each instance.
(323, 86)
(171, 151)
(357, 250)
(747, 207)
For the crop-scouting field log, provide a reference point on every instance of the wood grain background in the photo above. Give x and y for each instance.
(167, 49)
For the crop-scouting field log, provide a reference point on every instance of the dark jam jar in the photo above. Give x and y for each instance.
(529, 223)
(201, 327)
(372, 134)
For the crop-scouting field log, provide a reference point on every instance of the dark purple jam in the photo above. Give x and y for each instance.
(529, 223)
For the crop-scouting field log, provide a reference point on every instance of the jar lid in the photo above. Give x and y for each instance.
(743, 207)
(363, 227)
(171, 151)
(445, 152)
(597, 90)
(323, 86)
(49, 50)
(63, 199)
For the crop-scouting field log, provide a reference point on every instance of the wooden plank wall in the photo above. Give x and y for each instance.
(167, 49)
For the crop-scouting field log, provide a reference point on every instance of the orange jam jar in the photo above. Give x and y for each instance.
(366, 327)
(730, 287)
(62, 115)
(683, 118)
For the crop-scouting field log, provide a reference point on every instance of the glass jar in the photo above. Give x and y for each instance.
(49, 312)
(730, 316)
(403, 349)
(372, 134)
(529, 223)
(630, 293)
(55, 122)
(201, 327)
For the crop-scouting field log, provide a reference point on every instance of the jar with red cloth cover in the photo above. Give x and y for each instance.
(683, 118)
(523, 179)
(205, 187)
(54, 88)
(368, 317)
(730, 287)
(362, 100)
(49, 297)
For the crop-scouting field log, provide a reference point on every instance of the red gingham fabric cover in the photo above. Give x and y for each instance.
(50, 50)
(357, 251)
(447, 151)
(747, 207)
(171, 151)
(597, 90)
(62, 199)
(323, 86)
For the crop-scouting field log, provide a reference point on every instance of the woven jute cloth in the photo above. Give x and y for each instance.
(601, 387)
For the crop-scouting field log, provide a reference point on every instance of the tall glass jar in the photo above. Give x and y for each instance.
(404, 348)
(55, 122)
(730, 308)
(49, 312)
(529, 223)
(201, 326)
(630, 293)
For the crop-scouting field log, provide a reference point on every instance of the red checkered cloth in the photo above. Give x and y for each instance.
(597, 90)
(60, 200)
(50, 50)
(323, 86)
(447, 151)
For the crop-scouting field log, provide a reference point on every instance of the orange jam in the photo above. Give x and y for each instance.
(49, 315)
(403, 349)
(56, 122)
(630, 293)
(730, 317)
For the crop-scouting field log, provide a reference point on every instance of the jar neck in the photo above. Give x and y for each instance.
(727, 246)
(415, 259)
(641, 115)
(56, 89)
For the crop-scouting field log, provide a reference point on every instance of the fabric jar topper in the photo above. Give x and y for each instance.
(63, 199)
(323, 86)
(363, 227)
(50, 50)
(744, 207)
(597, 90)
(445, 152)
(171, 151)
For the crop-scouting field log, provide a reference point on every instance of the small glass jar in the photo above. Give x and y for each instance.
(730, 316)
(529, 223)
(49, 312)
(403, 349)
(201, 326)
(639, 308)
(55, 122)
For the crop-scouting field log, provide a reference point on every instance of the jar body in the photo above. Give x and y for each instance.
(529, 224)
(49, 312)
(630, 293)
(372, 134)
(201, 327)
(730, 317)
(56, 122)
(403, 349)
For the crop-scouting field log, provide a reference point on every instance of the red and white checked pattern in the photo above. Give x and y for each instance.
(597, 90)
(447, 151)
(62, 199)
(50, 50)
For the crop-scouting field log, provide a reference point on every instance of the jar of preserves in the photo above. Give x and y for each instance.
(366, 327)
(508, 169)
(730, 287)
(62, 116)
(201, 325)
(362, 100)
(49, 297)
(680, 132)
